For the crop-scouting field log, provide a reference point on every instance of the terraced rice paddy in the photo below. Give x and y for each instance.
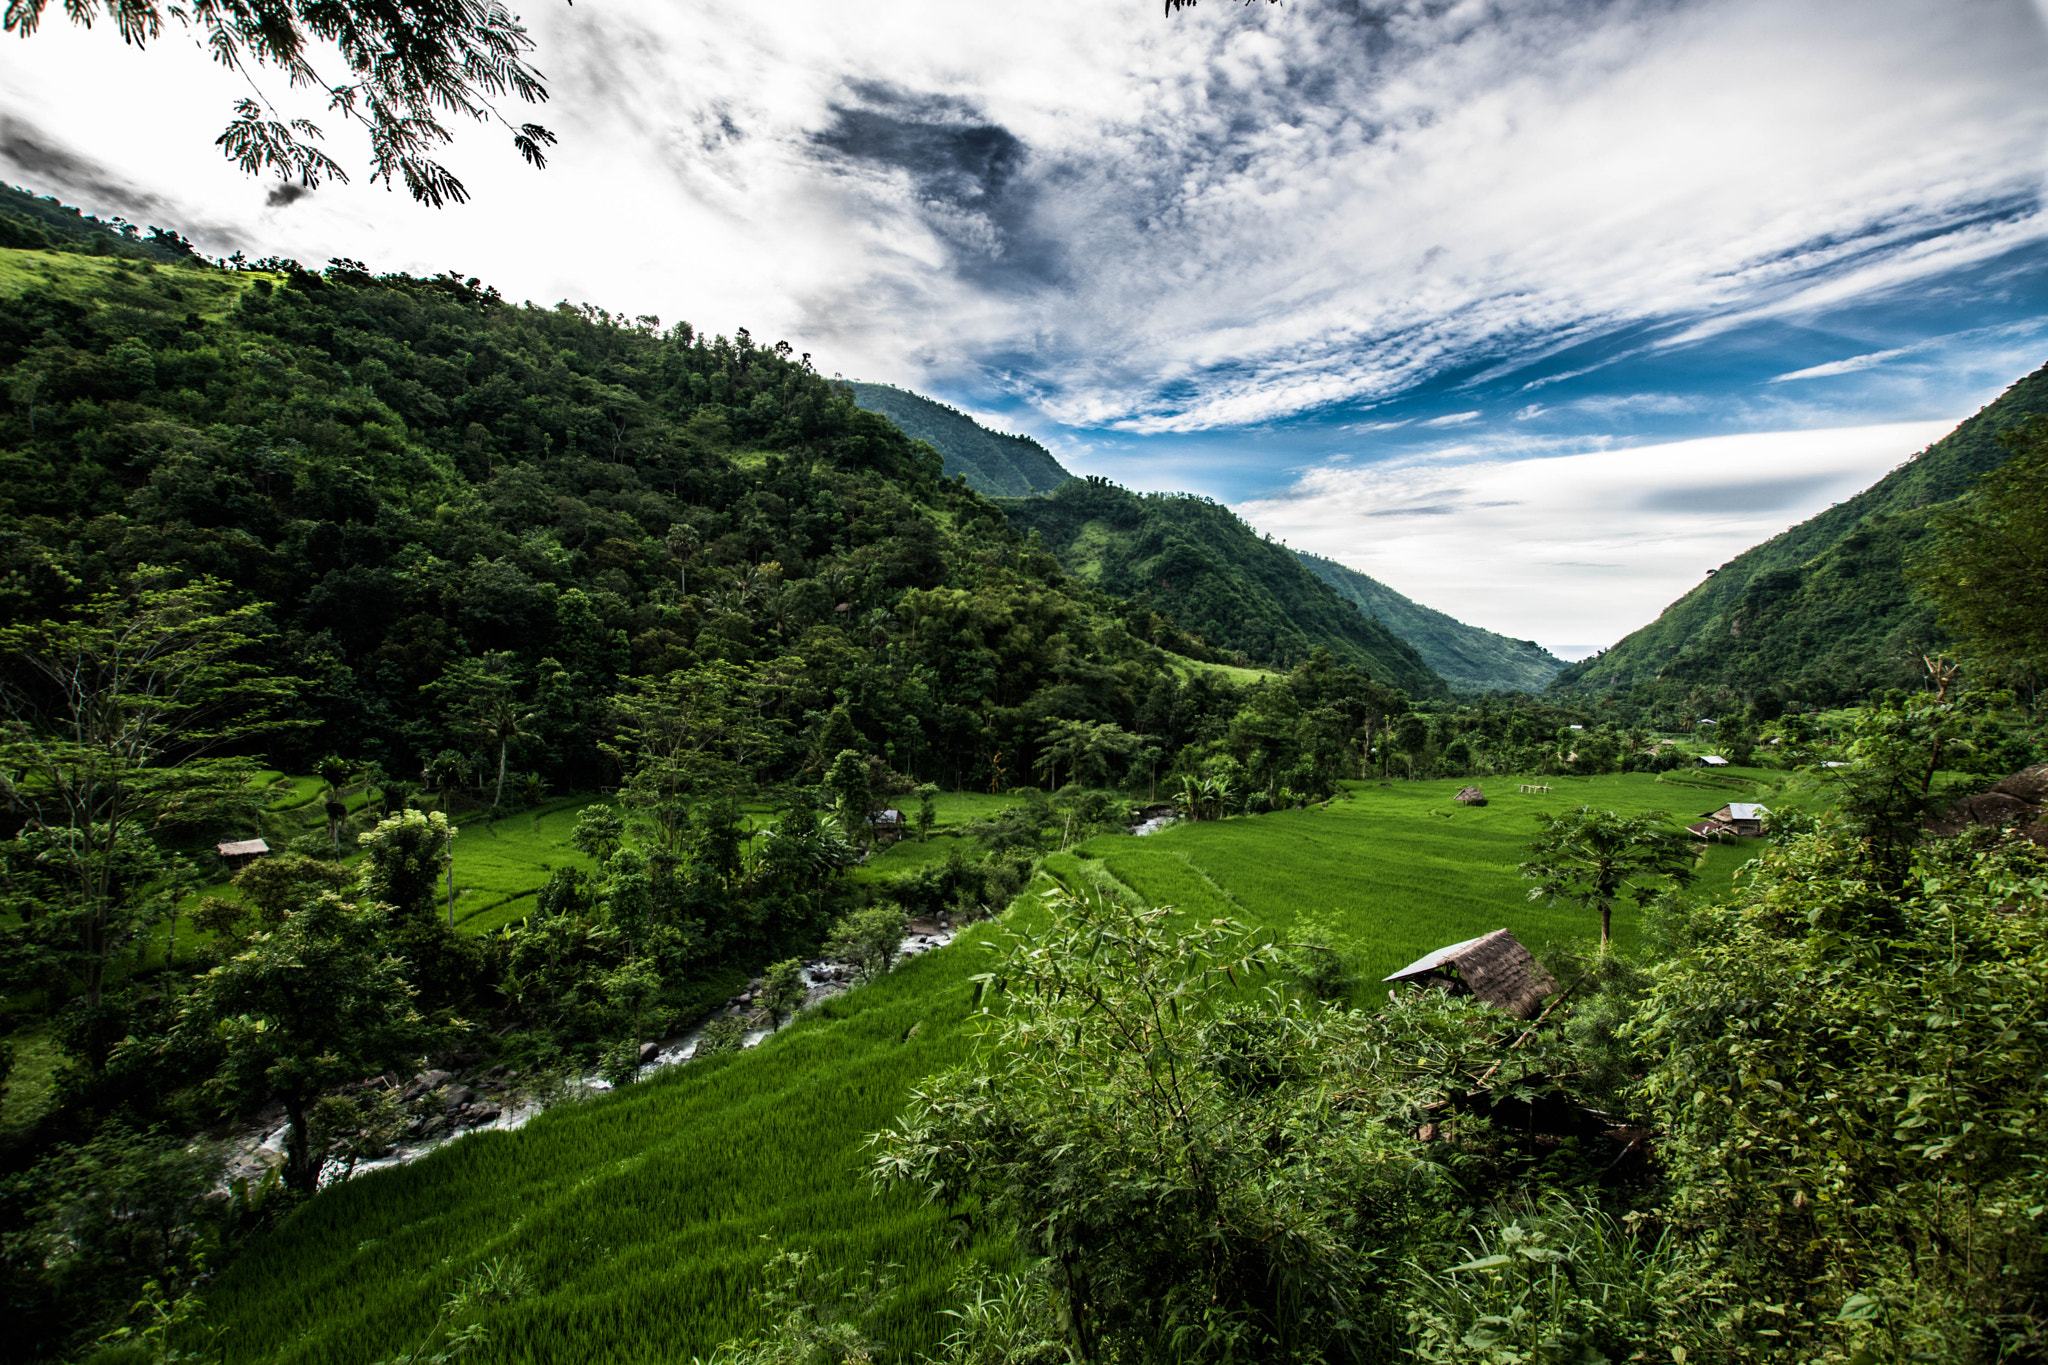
(641, 1214)
(644, 1215)
(1399, 869)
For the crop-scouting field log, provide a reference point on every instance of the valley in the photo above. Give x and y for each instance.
(418, 703)
(644, 1211)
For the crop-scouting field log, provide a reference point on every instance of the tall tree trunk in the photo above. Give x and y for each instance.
(1606, 919)
(498, 801)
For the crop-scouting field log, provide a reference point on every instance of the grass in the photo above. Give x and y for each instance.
(499, 864)
(645, 1214)
(1401, 869)
(98, 280)
(907, 855)
(1243, 677)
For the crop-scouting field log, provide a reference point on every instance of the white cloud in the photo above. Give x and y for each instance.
(1213, 221)
(1583, 546)
(1453, 419)
(1849, 366)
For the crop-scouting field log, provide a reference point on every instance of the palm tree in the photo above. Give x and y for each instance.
(501, 723)
(682, 543)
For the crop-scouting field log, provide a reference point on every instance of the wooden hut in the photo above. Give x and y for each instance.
(1744, 819)
(239, 853)
(1494, 967)
(1711, 761)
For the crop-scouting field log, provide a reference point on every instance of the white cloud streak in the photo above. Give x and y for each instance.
(1849, 366)
(1582, 547)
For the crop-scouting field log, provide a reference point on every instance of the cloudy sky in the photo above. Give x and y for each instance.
(1534, 309)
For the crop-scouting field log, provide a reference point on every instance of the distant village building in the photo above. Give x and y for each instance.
(1494, 967)
(1736, 820)
(239, 853)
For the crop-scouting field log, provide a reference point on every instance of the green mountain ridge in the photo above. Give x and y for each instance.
(1822, 613)
(1016, 467)
(994, 464)
(1466, 656)
(1195, 560)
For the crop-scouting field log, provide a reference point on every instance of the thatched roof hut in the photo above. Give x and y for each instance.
(1494, 967)
(236, 852)
(1470, 796)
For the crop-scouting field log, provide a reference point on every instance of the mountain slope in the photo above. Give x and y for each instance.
(995, 465)
(1194, 560)
(1465, 655)
(1822, 612)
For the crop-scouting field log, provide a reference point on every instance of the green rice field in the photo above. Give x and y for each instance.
(643, 1215)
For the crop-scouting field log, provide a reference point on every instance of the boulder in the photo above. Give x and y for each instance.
(455, 1096)
(648, 1051)
(2028, 785)
(1993, 809)
(1470, 796)
(424, 1082)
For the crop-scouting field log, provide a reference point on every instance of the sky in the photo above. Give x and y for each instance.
(1536, 311)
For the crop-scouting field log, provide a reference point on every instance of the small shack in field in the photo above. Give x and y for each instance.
(1711, 761)
(1494, 967)
(239, 853)
(1744, 819)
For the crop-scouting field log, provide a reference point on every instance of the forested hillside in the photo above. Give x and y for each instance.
(428, 483)
(994, 464)
(1195, 560)
(1467, 656)
(1821, 614)
(457, 556)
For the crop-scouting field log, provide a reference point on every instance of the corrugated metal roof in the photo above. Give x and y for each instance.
(1747, 810)
(241, 848)
(1436, 959)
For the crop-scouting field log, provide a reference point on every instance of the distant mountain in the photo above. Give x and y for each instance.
(996, 465)
(1195, 561)
(1823, 612)
(1467, 657)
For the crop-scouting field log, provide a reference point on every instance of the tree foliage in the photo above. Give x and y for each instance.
(317, 1002)
(1987, 569)
(1594, 857)
(1196, 1162)
(406, 66)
